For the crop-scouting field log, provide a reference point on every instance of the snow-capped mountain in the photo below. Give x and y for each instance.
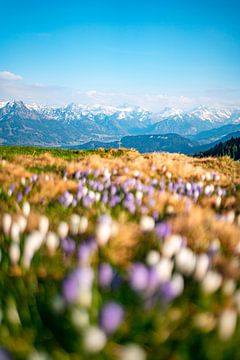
(75, 123)
(77, 111)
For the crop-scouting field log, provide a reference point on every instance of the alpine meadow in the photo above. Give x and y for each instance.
(120, 180)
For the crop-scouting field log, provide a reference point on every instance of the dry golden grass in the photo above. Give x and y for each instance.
(194, 221)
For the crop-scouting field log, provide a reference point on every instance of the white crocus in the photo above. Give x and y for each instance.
(218, 201)
(152, 258)
(172, 245)
(43, 225)
(94, 339)
(23, 181)
(63, 229)
(97, 196)
(15, 232)
(26, 209)
(132, 352)
(32, 243)
(139, 195)
(22, 222)
(229, 287)
(83, 224)
(14, 253)
(74, 223)
(91, 194)
(80, 318)
(52, 241)
(202, 265)
(103, 233)
(227, 324)
(164, 269)
(6, 223)
(185, 261)
(84, 191)
(211, 282)
(147, 223)
(177, 284)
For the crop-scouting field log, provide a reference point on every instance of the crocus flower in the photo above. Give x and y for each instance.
(211, 282)
(132, 352)
(147, 223)
(52, 242)
(22, 223)
(172, 245)
(164, 269)
(19, 197)
(63, 229)
(202, 265)
(74, 223)
(227, 323)
(32, 244)
(163, 229)
(152, 257)
(94, 339)
(111, 317)
(15, 232)
(138, 277)
(103, 230)
(105, 275)
(68, 245)
(43, 225)
(77, 286)
(14, 253)
(84, 252)
(6, 223)
(185, 261)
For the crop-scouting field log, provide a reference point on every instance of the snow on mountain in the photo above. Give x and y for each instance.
(2, 104)
(168, 112)
(124, 119)
(210, 113)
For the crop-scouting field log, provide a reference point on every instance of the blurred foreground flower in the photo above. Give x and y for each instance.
(111, 317)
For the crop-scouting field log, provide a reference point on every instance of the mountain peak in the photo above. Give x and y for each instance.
(15, 105)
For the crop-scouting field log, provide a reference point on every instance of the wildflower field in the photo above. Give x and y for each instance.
(111, 254)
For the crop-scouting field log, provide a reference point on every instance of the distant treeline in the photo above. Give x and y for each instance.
(229, 148)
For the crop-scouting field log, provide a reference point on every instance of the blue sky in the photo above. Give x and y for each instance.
(151, 53)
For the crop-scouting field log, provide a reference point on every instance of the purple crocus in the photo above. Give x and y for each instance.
(111, 317)
(138, 277)
(27, 190)
(79, 280)
(68, 245)
(105, 275)
(84, 253)
(163, 229)
(167, 292)
(19, 197)
(34, 178)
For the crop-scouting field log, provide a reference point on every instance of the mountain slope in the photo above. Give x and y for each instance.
(146, 143)
(71, 125)
(230, 148)
(209, 136)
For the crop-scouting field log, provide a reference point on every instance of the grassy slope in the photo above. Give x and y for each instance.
(199, 227)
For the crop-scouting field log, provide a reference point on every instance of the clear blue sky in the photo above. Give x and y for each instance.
(132, 48)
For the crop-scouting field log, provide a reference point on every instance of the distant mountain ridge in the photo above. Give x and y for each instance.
(73, 125)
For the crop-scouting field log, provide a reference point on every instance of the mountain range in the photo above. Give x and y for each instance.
(90, 126)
